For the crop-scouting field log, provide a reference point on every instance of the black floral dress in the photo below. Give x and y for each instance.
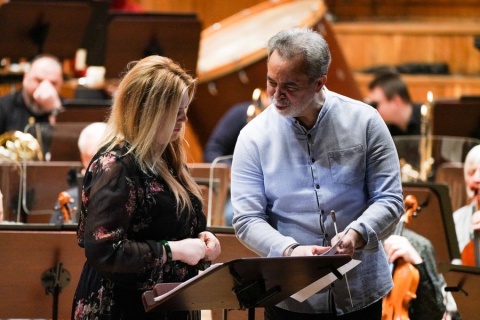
(124, 214)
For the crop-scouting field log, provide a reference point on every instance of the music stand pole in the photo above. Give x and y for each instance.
(54, 280)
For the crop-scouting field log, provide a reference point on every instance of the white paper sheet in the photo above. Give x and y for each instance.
(321, 283)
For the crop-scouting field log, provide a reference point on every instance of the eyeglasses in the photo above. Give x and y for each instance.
(373, 104)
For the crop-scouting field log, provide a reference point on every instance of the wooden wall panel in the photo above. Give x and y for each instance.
(401, 9)
(366, 44)
(209, 11)
(442, 87)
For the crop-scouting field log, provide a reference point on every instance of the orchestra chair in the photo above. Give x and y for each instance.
(214, 181)
(31, 189)
(434, 219)
(451, 173)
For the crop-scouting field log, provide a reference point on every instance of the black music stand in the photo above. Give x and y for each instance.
(466, 113)
(435, 218)
(245, 283)
(29, 28)
(133, 36)
(464, 284)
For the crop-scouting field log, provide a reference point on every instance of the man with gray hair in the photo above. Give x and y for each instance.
(311, 152)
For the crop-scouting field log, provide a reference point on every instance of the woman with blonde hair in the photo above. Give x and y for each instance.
(141, 219)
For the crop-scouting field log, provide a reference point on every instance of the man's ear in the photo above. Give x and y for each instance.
(397, 100)
(320, 83)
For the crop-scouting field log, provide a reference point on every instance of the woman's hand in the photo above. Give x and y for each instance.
(190, 251)
(212, 243)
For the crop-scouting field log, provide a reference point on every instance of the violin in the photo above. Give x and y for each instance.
(471, 252)
(64, 199)
(405, 276)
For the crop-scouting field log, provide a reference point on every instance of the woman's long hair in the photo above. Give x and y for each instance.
(143, 115)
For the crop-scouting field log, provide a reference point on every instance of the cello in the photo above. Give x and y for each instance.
(471, 252)
(64, 199)
(405, 275)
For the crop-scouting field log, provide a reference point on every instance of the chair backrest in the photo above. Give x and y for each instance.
(434, 220)
(451, 173)
(216, 180)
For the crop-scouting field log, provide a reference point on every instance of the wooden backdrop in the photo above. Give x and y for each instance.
(211, 11)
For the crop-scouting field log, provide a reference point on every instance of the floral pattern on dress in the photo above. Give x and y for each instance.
(102, 233)
(122, 221)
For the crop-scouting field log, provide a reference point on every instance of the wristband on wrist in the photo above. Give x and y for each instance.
(168, 250)
(290, 249)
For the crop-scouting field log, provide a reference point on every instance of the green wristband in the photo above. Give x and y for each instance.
(168, 250)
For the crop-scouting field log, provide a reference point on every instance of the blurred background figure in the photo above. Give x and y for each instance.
(467, 218)
(431, 300)
(125, 5)
(38, 102)
(224, 136)
(389, 94)
(221, 142)
(88, 143)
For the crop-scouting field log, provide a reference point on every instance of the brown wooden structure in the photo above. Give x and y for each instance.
(232, 58)
(28, 251)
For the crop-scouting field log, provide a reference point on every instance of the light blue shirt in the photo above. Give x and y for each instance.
(286, 180)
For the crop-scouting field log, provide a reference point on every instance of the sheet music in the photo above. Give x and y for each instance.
(324, 281)
(167, 288)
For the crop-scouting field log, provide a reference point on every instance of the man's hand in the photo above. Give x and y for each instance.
(307, 251)
(46, 97)
(348, 242)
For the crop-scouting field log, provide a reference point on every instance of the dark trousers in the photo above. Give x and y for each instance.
(372, 312)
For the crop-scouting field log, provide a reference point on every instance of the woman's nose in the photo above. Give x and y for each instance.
(182, 116)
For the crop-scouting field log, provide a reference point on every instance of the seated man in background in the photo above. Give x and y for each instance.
(389, 94)
(88, 142)
(224, 136)
(38, 101)
(222, 143)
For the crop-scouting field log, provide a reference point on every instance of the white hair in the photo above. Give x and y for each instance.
(90, 137)
(471, 161)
